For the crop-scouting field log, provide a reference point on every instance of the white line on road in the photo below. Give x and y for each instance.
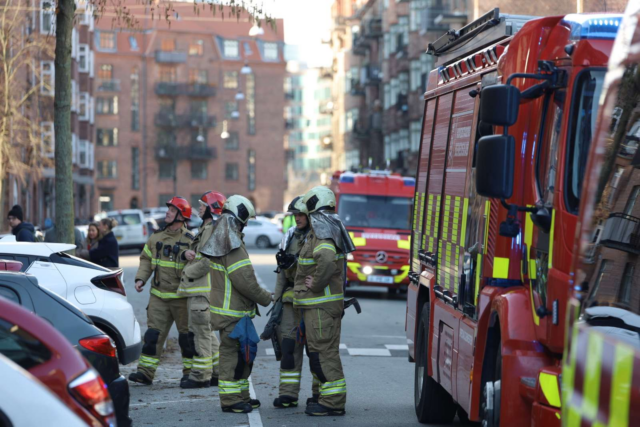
(174, 401)
(369, 352)
(398, 337)
(254, 416)
(397, 346)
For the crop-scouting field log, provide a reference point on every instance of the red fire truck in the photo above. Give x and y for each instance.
(376, 208)
(509, 114)
(601, 372)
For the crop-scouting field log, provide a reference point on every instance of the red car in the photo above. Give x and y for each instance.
(36, 346)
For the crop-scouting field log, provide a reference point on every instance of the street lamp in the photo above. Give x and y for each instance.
(225, 133)
(245, 69)
(256, 31)
(239, 96)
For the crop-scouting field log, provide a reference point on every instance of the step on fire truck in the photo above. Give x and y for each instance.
(508, 115)
(601, 373)
(375, 207)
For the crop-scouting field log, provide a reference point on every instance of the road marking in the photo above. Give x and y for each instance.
(397, 346)
(343, 346)
(369, 352)
(398, 337)
(175, 401)
(254, 416)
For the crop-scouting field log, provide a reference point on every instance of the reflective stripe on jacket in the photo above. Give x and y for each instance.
(196, 276)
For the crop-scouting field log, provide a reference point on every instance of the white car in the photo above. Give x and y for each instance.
(98, 291)
(132, 230)
(262, 233)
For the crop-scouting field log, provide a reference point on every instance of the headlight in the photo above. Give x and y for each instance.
(367, 270)
(350, 257)
(394, 272)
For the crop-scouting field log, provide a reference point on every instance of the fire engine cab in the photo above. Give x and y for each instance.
(376, 208)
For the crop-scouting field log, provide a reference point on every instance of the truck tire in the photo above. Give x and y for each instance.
(433, 404)
(491, 393)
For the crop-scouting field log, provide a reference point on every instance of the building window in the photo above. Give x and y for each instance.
(247, 49)
(83, 153)
(416, 74)
(74, 96)
(196, 48)
(631, 201)
(47, 136)
(106, 41)
(107, 105)
(251, 169)
(135, 100)
(271, 51)
(133, 43)
(230, 80)
(233, 142)
(198, 170)
(416, 129)
(251, 104)
(626, 284)
(47, 78)
(351, 119)
(387, 45)
(167, 74)
(107, 137)
(107, 169)
(168, 45)
(230, 49)
(106, 202)
(197, 77)
(135, 168)
(231, 110)
(47, 17)
(105, 72)
(387, 96)
(165, 171)
(134, 204)
(231, 172)
(83, 58)
(164, 198)
(84, 108)
(416, 14)
(427, 65)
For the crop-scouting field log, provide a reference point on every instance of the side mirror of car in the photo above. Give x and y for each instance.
(495, 166)
(499, 105)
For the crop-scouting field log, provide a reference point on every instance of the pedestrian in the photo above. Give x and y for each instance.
(161, 258)
(91, 242)
(319, 296)
(195, 285)
(235, 293)
(24, 231)
(107, 253)
(292, 350)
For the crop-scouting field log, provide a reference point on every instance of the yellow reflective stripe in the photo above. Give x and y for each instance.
(306, 261)
(195, 290)
(592, 376)
(217, 267)
(478, 267)
(621, 386)
(322, 246)
(549, 385)
(357, 241)
(405, 272)
(164, 295)
(288, 294)
(404, 244)
(319, 300)
(232, 313)
(147, 251)
(169, 264)
(500, 268)
(198, 256)
(528, 230)
(238, 265)
(463, 234)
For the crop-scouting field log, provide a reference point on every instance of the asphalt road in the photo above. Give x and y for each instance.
(374, 355)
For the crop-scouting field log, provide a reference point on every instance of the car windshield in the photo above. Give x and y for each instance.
(127, 219)
(358, 210)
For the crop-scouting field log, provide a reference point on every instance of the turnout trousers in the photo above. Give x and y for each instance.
(233, 385)
(323, 347)
(204, 342)
(161, 314)
(292, 354)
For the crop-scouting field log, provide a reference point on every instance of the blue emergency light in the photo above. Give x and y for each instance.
(409, 182)
(593, 26)
(349, 179)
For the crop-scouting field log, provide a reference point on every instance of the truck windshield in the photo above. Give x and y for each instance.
(358, 210)
(583, 126)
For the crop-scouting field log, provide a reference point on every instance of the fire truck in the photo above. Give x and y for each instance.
(509, 114)
(601, 371)
(376, 207)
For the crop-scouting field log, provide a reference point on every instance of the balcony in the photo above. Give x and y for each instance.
(360, 45)
(622, 232)
(373, 75)
(356, 88)
(200, 90)
(186, 152)
(167, 119)
(402, 103)
(374, 28)
(171, 57)
(112, 85)
(201, 153)
(172, 120)
(167, 89)
(199, 120)
(189, 89)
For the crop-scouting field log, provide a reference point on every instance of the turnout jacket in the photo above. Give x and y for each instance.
(234, 289)
(320, 260)
(167, 268)
(286, 278)
(196, 277)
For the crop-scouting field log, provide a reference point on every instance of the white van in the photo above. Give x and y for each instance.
(132, 231)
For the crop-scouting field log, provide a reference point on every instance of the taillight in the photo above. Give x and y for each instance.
(144, 230)
(99, 344)
(110, 282)
(91, 392)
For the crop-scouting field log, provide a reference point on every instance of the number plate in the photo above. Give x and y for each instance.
(380, 279)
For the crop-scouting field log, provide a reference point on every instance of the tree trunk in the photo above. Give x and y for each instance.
(64, 215)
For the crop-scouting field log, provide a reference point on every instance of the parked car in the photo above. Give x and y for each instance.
(161, 210)
(98, 348)
(16, 410)
(35, 345)
(152, 225)
(99, 291)
(132, 231)
(262, 233)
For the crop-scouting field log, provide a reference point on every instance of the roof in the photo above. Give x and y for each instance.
(381, 183)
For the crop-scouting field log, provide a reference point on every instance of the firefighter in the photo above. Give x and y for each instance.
(160, 257)
(292, 350)
(234, 294)
(319, 296)
(196, 286)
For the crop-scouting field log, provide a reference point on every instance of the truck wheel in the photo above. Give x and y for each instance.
(433, 404)
(262, 242)
(491, 395)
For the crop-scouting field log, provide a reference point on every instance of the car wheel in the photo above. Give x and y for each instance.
(263, 242)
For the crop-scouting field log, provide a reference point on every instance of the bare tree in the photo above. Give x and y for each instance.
(22, 151)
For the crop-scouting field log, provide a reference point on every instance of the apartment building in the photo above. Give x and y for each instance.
(184, 108)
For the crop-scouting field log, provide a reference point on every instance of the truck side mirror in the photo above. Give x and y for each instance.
(499, 105)
(495, 165)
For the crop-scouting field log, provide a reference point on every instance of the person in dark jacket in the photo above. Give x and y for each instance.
(24, 231)
(107, 253)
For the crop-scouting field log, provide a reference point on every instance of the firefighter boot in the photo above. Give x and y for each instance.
(189, 383)
(285, 402)
(313, 399)
(140, 378)
(318, 410)
(238, 408)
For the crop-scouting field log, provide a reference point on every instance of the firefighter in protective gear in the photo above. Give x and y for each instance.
(195, 285)
(319, 295)
(292, 350)
(234, 294)
(161, 258)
